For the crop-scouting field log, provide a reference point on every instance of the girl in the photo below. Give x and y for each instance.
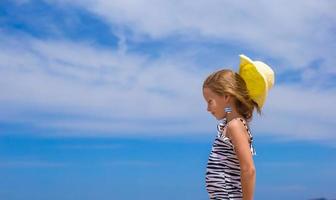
(231, 99)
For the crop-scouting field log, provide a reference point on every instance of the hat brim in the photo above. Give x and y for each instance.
(255, 81)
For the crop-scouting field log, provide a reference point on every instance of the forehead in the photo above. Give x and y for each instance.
(208, 93)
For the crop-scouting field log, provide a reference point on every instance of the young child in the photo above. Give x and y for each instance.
(231, 98)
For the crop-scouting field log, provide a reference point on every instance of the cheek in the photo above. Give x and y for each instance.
(213, 105)
(217, 106)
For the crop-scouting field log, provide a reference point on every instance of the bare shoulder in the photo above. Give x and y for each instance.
(236, 131)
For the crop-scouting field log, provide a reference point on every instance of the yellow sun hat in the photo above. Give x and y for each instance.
(259, 78)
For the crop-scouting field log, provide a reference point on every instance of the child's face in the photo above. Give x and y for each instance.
(216, 103)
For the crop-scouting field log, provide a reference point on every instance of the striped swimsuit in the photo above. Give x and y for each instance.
(223, 169)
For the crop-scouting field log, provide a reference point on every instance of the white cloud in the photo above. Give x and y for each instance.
(132, 163)
(294, 112)
(114, 91)
(111, 90)
(105, 91)
(296, 32)
(32, 164)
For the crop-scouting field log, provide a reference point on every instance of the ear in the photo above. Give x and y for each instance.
(227, 98)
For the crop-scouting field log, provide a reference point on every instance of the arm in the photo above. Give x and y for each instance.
(240, 139)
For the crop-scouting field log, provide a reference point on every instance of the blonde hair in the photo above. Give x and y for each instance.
(228, 82)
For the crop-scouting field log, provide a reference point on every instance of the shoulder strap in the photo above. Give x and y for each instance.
(246, 126)
(251, 137)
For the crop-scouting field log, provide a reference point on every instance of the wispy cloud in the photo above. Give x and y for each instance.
(83, 88)
(32, 164)
(274, 29)
(118, 89)
(133, 163)
(89, 146)
(296, 112)
(48, 164)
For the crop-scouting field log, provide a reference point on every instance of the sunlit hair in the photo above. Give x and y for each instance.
(228, 82)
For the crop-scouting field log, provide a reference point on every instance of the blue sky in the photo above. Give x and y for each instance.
(102, 100)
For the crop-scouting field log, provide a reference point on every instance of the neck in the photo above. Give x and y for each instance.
(233, 114)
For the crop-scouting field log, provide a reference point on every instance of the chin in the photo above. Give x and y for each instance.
(216, 117)
(219, 117)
